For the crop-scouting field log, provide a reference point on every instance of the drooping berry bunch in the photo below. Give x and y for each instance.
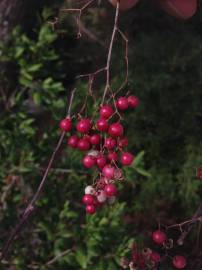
(104, 144)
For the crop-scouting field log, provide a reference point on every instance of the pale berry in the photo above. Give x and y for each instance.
(83, 145)
(89, 190)
(112, 156)
(179, 262)
(106, 111)
(115, 130)
(88, 161)
(123, 142)
(90, 209)
(127, 159)
(133, 101)
(102, 125)
(88, 199)
(101, 161)
(73, 141)
(66, 124)
(122, 103)
(110, 190)
(155, 257)
(101, 197)
(84, 125)
(159, 237)
(108, 171)
(93, 153)
(95, 139)
(110, 143)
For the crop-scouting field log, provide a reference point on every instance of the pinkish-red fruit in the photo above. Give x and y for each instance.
(123, 142)
(73, 141)
(106, 111)
(88, 161)
(159, 237)
(112, 156)
(66, 124)
(110, 143)
(101, 161)
(83, 145)
(133, 102)
(127, 159)
(179, 262)
(122, 103)
(88, 199)
(108, 171)
(110, 190)
(115, 130)
(102, 125)
(84, 125)
(90, 209)
(155, 257)
(95, 139)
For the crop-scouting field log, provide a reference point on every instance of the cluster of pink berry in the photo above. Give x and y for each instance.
(105, 142)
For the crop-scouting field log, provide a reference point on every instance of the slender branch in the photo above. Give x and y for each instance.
(56, 258)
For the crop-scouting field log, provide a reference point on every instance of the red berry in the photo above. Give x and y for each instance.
(123, 142)
(127, 159)
(66, 124)
(102, 125)
(88, 161)
(108, 171)
(122, 103)
(73, 141)
(84, 125)
(155, 257)
(101, 161)
(179, 262)
(110, 190)
(110, 143)
(83, 145)
(115, 130)
(133, 101)
(95, 139)
(88, 199)
(159, 237)
(112, 156)
(90, 209)
(106, 111)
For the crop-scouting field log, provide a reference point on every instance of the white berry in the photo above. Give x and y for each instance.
(101, 197)
(89, 190)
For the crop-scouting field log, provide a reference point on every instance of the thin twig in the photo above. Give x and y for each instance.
(56, 258)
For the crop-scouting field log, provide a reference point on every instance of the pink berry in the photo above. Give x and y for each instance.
(88, 199)
(133, 101)
(88, 161)
(102, 125)
(115, 130)
(112, 156)
(110, 143)
(101, 161)
(73, 141)
(159, 237)
(83, 145)
(127, 159)
(101, 197)
(84, 125)
(95, 139)
(179, 262)
(122, 103)
(155, 257)
(108, 171)
(106, 111)
(110, 190)
(123, 142)
(90, 209)
(66, 124)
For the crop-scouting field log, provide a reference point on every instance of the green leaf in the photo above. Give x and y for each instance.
(81, 258)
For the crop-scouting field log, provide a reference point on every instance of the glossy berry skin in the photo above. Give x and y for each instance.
(110, 190)
(133, 102)
(83, 145)
(106, 111)
(155, 257)
(102, 125)
(90, 209)
(84, 125)
(122, 104)
(179, 262)
(115, 130)
(66, 125)
(108, 171)
(159, 237)
(88, 162)
(112, 156)
(88, 199)
(110, 143)
(127, 159)
(101, 161)
(95, 139)
(73, 141)
(123, 142)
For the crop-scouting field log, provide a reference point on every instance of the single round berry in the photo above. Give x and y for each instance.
(123, 142)
(159, 237)
(93, 153)
(73, 141)
(66, 124)
(83, 145)
(112, 156)
(127, 159)
(88, 161)
(110, 143)
(108, 171)
(101, 197)
(101, 161)
(115, 130)
(110, 190)
(122, 103)
(102, 125)
(88, 199)
(89, 190)
(179, 262)
(90, 209)
(95, 139)
(155, 257)
(133, 102)
(84, 125)
(106, 111)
